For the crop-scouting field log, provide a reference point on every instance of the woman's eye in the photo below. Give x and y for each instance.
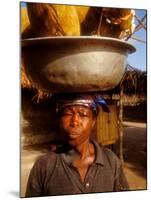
(83, 114)
(66, 114)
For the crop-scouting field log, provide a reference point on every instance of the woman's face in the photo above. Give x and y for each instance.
(76, 122)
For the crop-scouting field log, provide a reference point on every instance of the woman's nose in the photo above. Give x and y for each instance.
(75, 120)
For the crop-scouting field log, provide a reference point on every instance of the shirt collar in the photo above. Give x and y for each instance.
(99, 153)
(72, 154)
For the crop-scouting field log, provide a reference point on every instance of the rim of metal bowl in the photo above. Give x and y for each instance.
(71, 39)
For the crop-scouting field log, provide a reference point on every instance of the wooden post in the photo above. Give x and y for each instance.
(121, 126)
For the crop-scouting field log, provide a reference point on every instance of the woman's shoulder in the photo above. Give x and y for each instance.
(43, 160)
(111, 157)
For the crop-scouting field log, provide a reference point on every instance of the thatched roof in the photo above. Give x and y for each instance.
(25, 83)
(134, 82)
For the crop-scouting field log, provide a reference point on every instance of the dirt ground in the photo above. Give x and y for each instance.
(135, 155)
(134, 148)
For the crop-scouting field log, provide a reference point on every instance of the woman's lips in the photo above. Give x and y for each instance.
(74, 134)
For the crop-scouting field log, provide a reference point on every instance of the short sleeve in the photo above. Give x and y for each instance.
(120, 183)
(34, 184)
(41, 171)
(119, 180)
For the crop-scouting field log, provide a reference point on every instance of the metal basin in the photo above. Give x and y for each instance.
(75, 64)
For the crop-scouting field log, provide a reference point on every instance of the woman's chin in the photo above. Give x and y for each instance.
(73, 141)
(76, 141)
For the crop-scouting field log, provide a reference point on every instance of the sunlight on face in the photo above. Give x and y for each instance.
(76, 122)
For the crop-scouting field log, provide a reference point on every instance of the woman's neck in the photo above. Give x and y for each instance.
(85, 149)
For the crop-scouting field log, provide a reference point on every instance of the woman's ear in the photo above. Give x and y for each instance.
(93, 122)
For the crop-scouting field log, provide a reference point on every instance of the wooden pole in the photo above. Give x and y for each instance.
(138, 39)
(121, 126)
(141, 21)
(139, 26)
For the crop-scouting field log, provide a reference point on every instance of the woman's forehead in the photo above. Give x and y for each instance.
(77, 108)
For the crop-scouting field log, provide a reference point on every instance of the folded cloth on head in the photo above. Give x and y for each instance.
(87, 100)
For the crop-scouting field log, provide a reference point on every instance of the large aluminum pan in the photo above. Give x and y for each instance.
(75, 64)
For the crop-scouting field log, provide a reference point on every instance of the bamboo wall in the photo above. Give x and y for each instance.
(107, 125)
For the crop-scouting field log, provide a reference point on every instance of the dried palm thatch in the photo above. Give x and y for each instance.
(134, 82)
(25, 83)
(133, 86)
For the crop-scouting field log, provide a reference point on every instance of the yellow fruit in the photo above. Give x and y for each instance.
(82, 12)
(68, 19)
(24, 19)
